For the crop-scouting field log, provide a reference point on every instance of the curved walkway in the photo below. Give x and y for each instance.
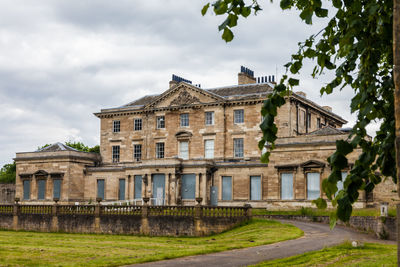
(316, 236)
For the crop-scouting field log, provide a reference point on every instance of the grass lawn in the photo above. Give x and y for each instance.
(60, 249)
(343, 255)
(318, 212)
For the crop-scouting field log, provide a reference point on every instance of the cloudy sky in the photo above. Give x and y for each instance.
(61, 61)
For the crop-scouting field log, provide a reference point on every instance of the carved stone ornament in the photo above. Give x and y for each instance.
(184, 98)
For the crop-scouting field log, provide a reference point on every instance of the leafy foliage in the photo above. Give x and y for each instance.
(7, 173)
(356, 45)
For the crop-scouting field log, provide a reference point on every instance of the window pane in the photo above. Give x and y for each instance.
(138, 125)
(255, 187)
(137, 152)
(138, 187)
(184, 120)
(116, 126)
(209, 149)
(188, 186)
(287, 186)
(57, 188)
(226, 188)
(41, 185)
(27, 189)
(121, 193)
(160, 150)
(239, 116)
(313, 185)
(115, 154)
(184, 150)
(160, 122)
(210, 118)
(100, 189)
(238, 147)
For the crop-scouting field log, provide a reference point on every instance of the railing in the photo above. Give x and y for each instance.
(171, 210)
(6, 209)
(35, 209)
(223, 211)
(121, 210)
(76, 209)
(98, 210)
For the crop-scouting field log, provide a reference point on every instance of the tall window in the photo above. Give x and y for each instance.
(238, 147)
(303, 117)
(309, 120)
(137, 152)
(160, 150)
(57, 188)
(313, 185)
(287, 185)
(138, 187)
(255, 187)
(209, 116)
(184, 120)
(27, 189)
(100, 188)
(115, 154)
(184, 150)
(116, 126)
(188, 189)
(239, 116)
(318, 123)
(209, 149)
(41, 185)
(226, 187)
(160, 122)
(121, 193)
(137, 124)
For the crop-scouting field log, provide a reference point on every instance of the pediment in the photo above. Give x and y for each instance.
(183, 135)
(41, 173)
(312, 164)
(183, 94)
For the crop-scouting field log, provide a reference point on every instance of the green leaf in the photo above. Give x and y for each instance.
(232, 20)
(246, 11)
(306, 15)
(321, 203)
(293, 82)
(285, 4)
(321, 12)
(265, 157)
(204, 9)
(332, 220)
(224, 24)
(344, 147)
(227, 35)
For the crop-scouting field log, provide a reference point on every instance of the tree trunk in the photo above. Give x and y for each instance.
(396, 77)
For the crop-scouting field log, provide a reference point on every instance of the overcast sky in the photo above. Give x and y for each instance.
(61, 61)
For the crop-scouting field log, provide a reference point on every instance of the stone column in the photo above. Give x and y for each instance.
(204, 189)
(48, 191)
(97, 214)
(173, 189)
(33, 188)
(198, 179)
(128, 189)
(54, 219)
(144, 227)
(167, 189)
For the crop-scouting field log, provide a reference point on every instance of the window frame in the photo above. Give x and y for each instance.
(184, 120)
(160, 153)
(281, 187)
(205, 148)
(307, 185)
(137, 155)
(206, 118)
(260, 191)
(137, 125)
(120, 192)
(238, 116)
(28, 181)
(180, 149)
(222, 188)
(160, 122)
(116, 126)
(235, 151)
(54, 185)
(104, 188)
(115, 154)
(41, 181)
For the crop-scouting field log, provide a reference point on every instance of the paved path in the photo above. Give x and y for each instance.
(316, 236)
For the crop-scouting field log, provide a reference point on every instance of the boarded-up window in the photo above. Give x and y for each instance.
(57, 188)
(41, 185)
(226, 188)
(138, 187)
(209, 149)
(188, 186)
(255, 187)
(27, 189)
(100, 188)
(287, 186)
(313, 190)
(121, 194)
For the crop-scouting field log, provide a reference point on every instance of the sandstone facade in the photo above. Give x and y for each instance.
(190, 143)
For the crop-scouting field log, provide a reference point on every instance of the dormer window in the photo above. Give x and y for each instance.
(116, 126)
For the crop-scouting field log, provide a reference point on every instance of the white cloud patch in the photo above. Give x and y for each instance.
(64, 60)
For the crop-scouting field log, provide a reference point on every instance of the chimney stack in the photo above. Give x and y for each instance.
(246, 76)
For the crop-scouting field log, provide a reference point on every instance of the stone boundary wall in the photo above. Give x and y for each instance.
(382, 227)
(7, 193)
(143, 220)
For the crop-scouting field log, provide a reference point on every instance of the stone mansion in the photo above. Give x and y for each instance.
(192, 143)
